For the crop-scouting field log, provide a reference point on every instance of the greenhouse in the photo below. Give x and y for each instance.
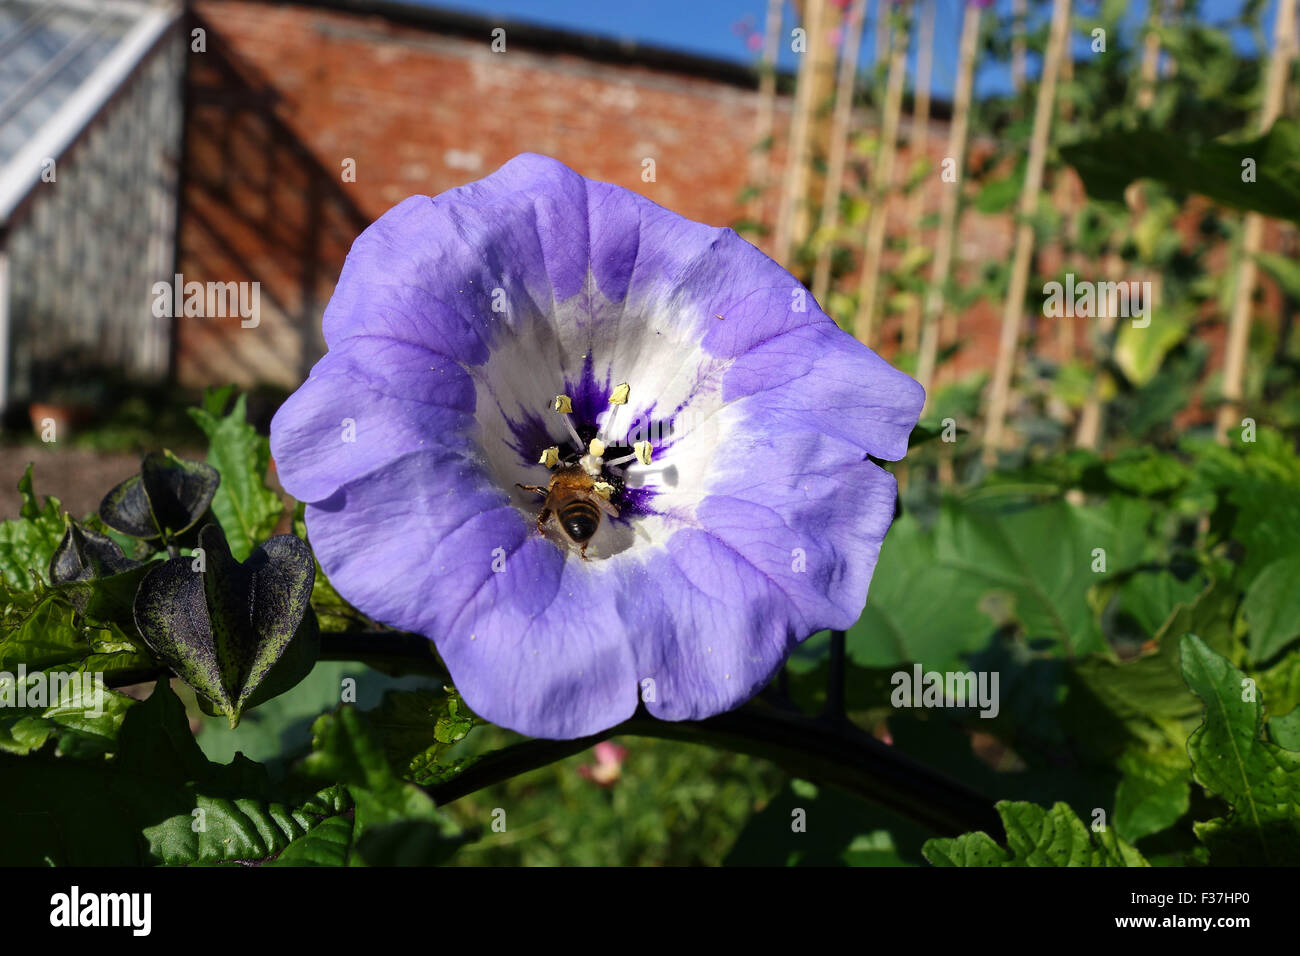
(90, 124)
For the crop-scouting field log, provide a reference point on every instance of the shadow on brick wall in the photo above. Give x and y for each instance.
(257, 207)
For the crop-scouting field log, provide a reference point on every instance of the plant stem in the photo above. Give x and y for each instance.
(838, 754)
(412, 653)
(834, 709)
(826, 750)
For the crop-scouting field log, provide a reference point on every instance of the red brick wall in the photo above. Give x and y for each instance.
(420, 112)
(301, 90)
(285, 93)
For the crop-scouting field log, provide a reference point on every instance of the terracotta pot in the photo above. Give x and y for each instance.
(66, 418)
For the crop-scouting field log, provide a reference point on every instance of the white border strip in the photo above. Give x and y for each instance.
(55, 136)
(4, 329)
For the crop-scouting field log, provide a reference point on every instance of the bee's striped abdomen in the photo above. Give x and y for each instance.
(580, 519)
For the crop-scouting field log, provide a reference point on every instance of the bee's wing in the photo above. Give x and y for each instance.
(605, 506)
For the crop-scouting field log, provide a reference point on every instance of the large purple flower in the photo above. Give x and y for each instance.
(480, 340)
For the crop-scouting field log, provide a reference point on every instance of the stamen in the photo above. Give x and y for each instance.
(617, 397)
(596, 449)
(641, 452)
(603, 488)
(564, 405)
(550, 457)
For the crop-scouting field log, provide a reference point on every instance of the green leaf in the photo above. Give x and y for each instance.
(55, 636)
(1284, 270)
(1154, 792)
(416, 728)
(1039, 561)
(329, 843)
(1272, 607)
(1285, 730)
(999, 195)
(247, 509)
(1149, 597)
(396, 822)
(216, 398)
(1148, 695)
(1140, 352)
(1109, 163)
(807, 825)
(227, 628)
(82, 721)
(918, 609)
(28, 542)
(1036, 837)
(1147, 472)
(157, 801)
(1267, 522)
(1259, 780)
(929, 430)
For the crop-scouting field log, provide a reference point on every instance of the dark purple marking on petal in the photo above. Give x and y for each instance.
(532, 433)
(635, 503)
(531, 436)
(590, 397)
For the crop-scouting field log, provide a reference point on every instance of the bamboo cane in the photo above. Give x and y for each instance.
(882, 182)
(919, 147)
(1065, 198)
(949, 203)
(881, 31)
(761, 159)
(1234, 359)
(1013, 307)
(1092, 416)
(794, 187)
(825, 54)
(839, 148)
(1019, 12)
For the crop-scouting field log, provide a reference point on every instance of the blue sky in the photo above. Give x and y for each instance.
(709, 27)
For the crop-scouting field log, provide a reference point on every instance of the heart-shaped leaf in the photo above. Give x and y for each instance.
(167, 498)
(227, 628)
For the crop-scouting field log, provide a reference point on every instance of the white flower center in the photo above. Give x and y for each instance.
(547, 397)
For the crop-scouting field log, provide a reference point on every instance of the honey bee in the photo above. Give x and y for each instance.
(572, 497)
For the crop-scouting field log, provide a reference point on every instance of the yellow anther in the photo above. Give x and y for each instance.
(563, 405)
(550, 457)
(643, 450)
(596, 449)
(620, 394)
(603, 488)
